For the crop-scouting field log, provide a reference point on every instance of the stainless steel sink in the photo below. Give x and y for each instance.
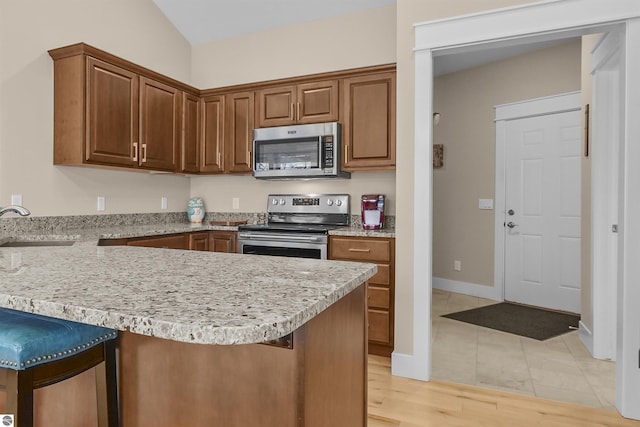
(37, 243)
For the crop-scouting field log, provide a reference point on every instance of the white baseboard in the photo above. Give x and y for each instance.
(473, 289)
(586, 337)
(410, 366)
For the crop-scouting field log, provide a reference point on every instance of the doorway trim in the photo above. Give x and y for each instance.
(545, 20)
(560, 103)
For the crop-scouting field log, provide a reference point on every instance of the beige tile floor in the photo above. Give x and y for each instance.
(560, 368)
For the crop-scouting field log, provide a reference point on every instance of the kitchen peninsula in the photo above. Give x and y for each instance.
(192, 323)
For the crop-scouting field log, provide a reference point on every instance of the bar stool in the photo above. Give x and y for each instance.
(37, 351)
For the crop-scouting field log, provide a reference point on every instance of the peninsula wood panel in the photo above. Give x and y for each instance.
(369, 122)
(190, 155)
(321, 382)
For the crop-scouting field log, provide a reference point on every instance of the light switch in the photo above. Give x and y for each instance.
(163, 202)
(100, 203)
(485, 204)
(235, 202)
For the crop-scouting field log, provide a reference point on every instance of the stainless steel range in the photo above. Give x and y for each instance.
(298, 225)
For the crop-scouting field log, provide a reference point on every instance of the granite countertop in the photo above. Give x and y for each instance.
(188, 296)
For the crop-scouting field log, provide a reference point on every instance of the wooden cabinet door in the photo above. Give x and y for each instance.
(199, 241)
(213, 131)
(369, 123)
(317, 102)
(239, 126)
(159, 125)
(175, 241)
(276, 106)
(112, 114)
(190, 154)
(223, 241)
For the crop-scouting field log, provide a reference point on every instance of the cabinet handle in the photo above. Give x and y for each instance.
(298, 112)
(292, 111)
(218, 159)
(346, 154)
(135, 151)
(359, 250)
(144, 153)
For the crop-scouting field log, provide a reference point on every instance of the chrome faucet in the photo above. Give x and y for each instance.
(15, 208)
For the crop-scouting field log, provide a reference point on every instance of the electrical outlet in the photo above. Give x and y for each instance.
(163, 202)
(457, 265)
(100, 203)
(235, 203)
(16, 199)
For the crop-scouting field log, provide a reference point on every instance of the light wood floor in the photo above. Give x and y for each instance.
(395, 401)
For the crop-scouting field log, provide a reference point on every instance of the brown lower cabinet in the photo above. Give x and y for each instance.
(381, 287)
(213, 241)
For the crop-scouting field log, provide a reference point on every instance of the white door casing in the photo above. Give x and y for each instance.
(544, 20)
(541, 225)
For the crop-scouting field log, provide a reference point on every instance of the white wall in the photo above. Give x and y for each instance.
(133, 29)
(350, 41)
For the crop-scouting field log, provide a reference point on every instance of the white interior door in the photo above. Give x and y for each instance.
(542, 220)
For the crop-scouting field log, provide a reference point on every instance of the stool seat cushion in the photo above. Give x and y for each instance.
(28, 340)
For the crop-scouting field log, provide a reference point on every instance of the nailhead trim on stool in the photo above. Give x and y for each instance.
(37, 351)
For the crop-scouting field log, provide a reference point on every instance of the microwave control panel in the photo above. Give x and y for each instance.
(327, 149)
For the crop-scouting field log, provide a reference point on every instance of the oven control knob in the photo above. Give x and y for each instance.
(338, 202)
(329, 202)
(282, 201)
(274, 201)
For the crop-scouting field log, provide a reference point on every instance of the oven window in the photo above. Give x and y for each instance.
(285, 154)
(279, 251)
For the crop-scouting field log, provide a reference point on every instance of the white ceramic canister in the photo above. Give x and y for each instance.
(195, 211)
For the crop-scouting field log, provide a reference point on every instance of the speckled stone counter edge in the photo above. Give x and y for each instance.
(93, 227)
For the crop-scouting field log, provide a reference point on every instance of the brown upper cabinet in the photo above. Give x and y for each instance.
(160, 123)
(369, 122)
(227, 132)
(110, 112)
(239, 112)
(190, 145)
(313, 102)
(212, 134)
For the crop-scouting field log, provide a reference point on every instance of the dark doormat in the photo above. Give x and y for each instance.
(518, 319)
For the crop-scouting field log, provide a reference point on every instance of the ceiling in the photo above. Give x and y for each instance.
(202, 21)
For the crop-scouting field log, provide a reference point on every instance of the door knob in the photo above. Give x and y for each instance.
(511, 224)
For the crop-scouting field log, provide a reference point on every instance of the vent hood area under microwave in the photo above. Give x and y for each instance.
(311, 151)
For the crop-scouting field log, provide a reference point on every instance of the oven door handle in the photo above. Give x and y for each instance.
(281, 238)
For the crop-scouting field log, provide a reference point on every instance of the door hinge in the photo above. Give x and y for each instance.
(614, 228)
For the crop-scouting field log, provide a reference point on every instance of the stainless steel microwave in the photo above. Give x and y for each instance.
(302, 152)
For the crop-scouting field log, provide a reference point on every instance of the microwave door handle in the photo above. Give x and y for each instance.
(321, 153)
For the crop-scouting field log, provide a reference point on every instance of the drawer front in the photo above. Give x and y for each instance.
(357, 249)
(382, 276)
(378, 297)
(379, 326)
